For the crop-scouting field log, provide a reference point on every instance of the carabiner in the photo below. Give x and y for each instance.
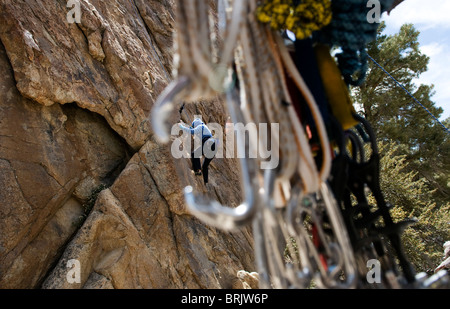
(217, 215)
(164, 106)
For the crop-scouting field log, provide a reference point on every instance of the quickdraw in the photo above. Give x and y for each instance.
(310, 216)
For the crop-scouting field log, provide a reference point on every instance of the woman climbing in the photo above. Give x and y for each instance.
(201, 134)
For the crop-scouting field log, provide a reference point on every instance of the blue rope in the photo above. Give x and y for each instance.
(409, 93)
(350, 30)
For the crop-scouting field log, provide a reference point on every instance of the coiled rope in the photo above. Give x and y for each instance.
(338, 23)
(302, 19)
(351, 31)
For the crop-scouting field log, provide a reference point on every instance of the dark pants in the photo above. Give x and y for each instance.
(196, 156)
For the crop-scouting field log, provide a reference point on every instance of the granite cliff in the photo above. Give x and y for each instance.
(81, 176)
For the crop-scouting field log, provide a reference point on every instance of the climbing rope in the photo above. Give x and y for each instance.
(261, 62)
(350, 31)
(309, 199)
(302, 19)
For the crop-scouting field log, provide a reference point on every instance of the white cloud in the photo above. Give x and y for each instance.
(438, 74)
(432, 19)
(439, 77)
(426, 14)
(433, 49)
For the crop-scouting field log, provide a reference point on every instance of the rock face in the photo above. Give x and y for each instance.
(108, 63)
(136, 241)
(74, 106)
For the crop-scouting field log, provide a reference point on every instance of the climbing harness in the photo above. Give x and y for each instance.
(311, 219)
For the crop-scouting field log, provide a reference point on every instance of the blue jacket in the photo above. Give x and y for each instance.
(199, 130)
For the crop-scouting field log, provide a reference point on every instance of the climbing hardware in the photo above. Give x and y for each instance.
(311, 218)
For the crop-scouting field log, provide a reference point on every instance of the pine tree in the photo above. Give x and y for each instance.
(397, 117)
(411, 197)
(415, 166)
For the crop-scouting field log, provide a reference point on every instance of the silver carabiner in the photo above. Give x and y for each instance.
(341, 249)
(212, 213)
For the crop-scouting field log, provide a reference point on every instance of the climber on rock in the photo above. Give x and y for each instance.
(204, 145)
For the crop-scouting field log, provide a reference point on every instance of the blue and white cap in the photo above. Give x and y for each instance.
(197, 122)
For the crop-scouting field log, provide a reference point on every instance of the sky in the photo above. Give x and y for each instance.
(432, 19)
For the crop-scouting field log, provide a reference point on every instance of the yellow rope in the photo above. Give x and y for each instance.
(302, 19)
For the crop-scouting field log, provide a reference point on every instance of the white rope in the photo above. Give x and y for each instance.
(261, 60)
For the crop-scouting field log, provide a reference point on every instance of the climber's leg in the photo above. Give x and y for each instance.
(195, 159)
(206, 164)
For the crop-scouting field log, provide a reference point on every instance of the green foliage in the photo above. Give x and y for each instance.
(423, 242)
(412, 197)
(401, 186)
